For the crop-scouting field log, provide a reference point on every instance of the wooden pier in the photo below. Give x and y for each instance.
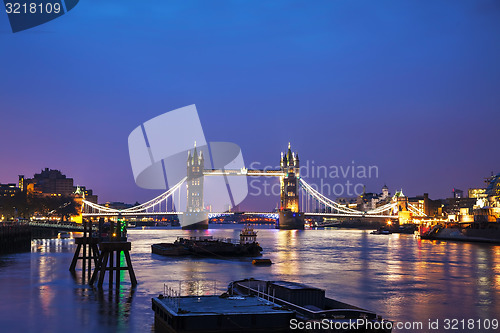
(87, 245)
(110, 257)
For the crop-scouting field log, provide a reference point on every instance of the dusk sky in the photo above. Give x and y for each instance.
(412, 87)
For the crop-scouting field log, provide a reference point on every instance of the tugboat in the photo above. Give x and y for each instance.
(381, 231)
(207, 246)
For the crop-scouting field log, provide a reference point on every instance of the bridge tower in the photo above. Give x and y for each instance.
(404, 215)
(289, 215)
(195, 216)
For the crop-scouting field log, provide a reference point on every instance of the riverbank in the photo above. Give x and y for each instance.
(14, 237)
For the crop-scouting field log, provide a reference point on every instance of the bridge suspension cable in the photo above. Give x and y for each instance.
(415, 210)
(340, 208)
(318, 199)
(384, 208)
(326, 201)
(142, 208)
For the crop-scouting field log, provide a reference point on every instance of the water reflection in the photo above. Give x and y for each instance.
(399, 276)
(115, 306)
(6, 261)
(287, 260)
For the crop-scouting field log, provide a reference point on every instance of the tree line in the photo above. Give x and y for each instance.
(25, 205)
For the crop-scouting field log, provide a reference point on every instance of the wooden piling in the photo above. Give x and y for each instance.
(90, 254)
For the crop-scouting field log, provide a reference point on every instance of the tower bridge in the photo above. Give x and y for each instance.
(298, 199)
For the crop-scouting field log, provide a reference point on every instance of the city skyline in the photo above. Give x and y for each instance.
(241, 166)
(338, 81)
(262, 187)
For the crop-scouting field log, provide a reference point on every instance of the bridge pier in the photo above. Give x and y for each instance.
(289, 220)
(194, 221)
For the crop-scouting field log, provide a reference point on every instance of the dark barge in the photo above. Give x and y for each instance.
(207, 246)
(264, 306)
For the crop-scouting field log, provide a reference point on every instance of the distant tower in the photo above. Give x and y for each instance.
(21, 183)
(195, 216)
(385, 192)
(457, 194)
(290, 217)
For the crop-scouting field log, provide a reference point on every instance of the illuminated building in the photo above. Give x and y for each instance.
(487, 209)
(88, 194)
(8, 190)
(53, 183)
(493, 191)
(7, 201)
(410, 209)
(385, 192)
(431, 208)
(368, 201)
(453, 206)
(477, 193)
(48, 181)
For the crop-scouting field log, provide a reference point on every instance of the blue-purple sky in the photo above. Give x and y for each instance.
(410, 86)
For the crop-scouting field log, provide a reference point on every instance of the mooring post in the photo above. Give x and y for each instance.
(84, 258)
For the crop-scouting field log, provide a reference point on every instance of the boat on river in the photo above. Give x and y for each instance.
(483, 226)
(381, 232)
(483, 232)
(207, 246)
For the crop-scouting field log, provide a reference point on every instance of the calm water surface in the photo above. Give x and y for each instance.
(398, 276)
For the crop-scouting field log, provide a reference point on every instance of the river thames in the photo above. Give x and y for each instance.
(400, 277)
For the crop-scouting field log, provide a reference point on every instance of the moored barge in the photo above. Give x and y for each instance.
(207, 246)
(483, 232)
(264, 306)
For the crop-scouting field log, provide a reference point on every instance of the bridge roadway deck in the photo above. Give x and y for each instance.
(272, 214)
(244, 172)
